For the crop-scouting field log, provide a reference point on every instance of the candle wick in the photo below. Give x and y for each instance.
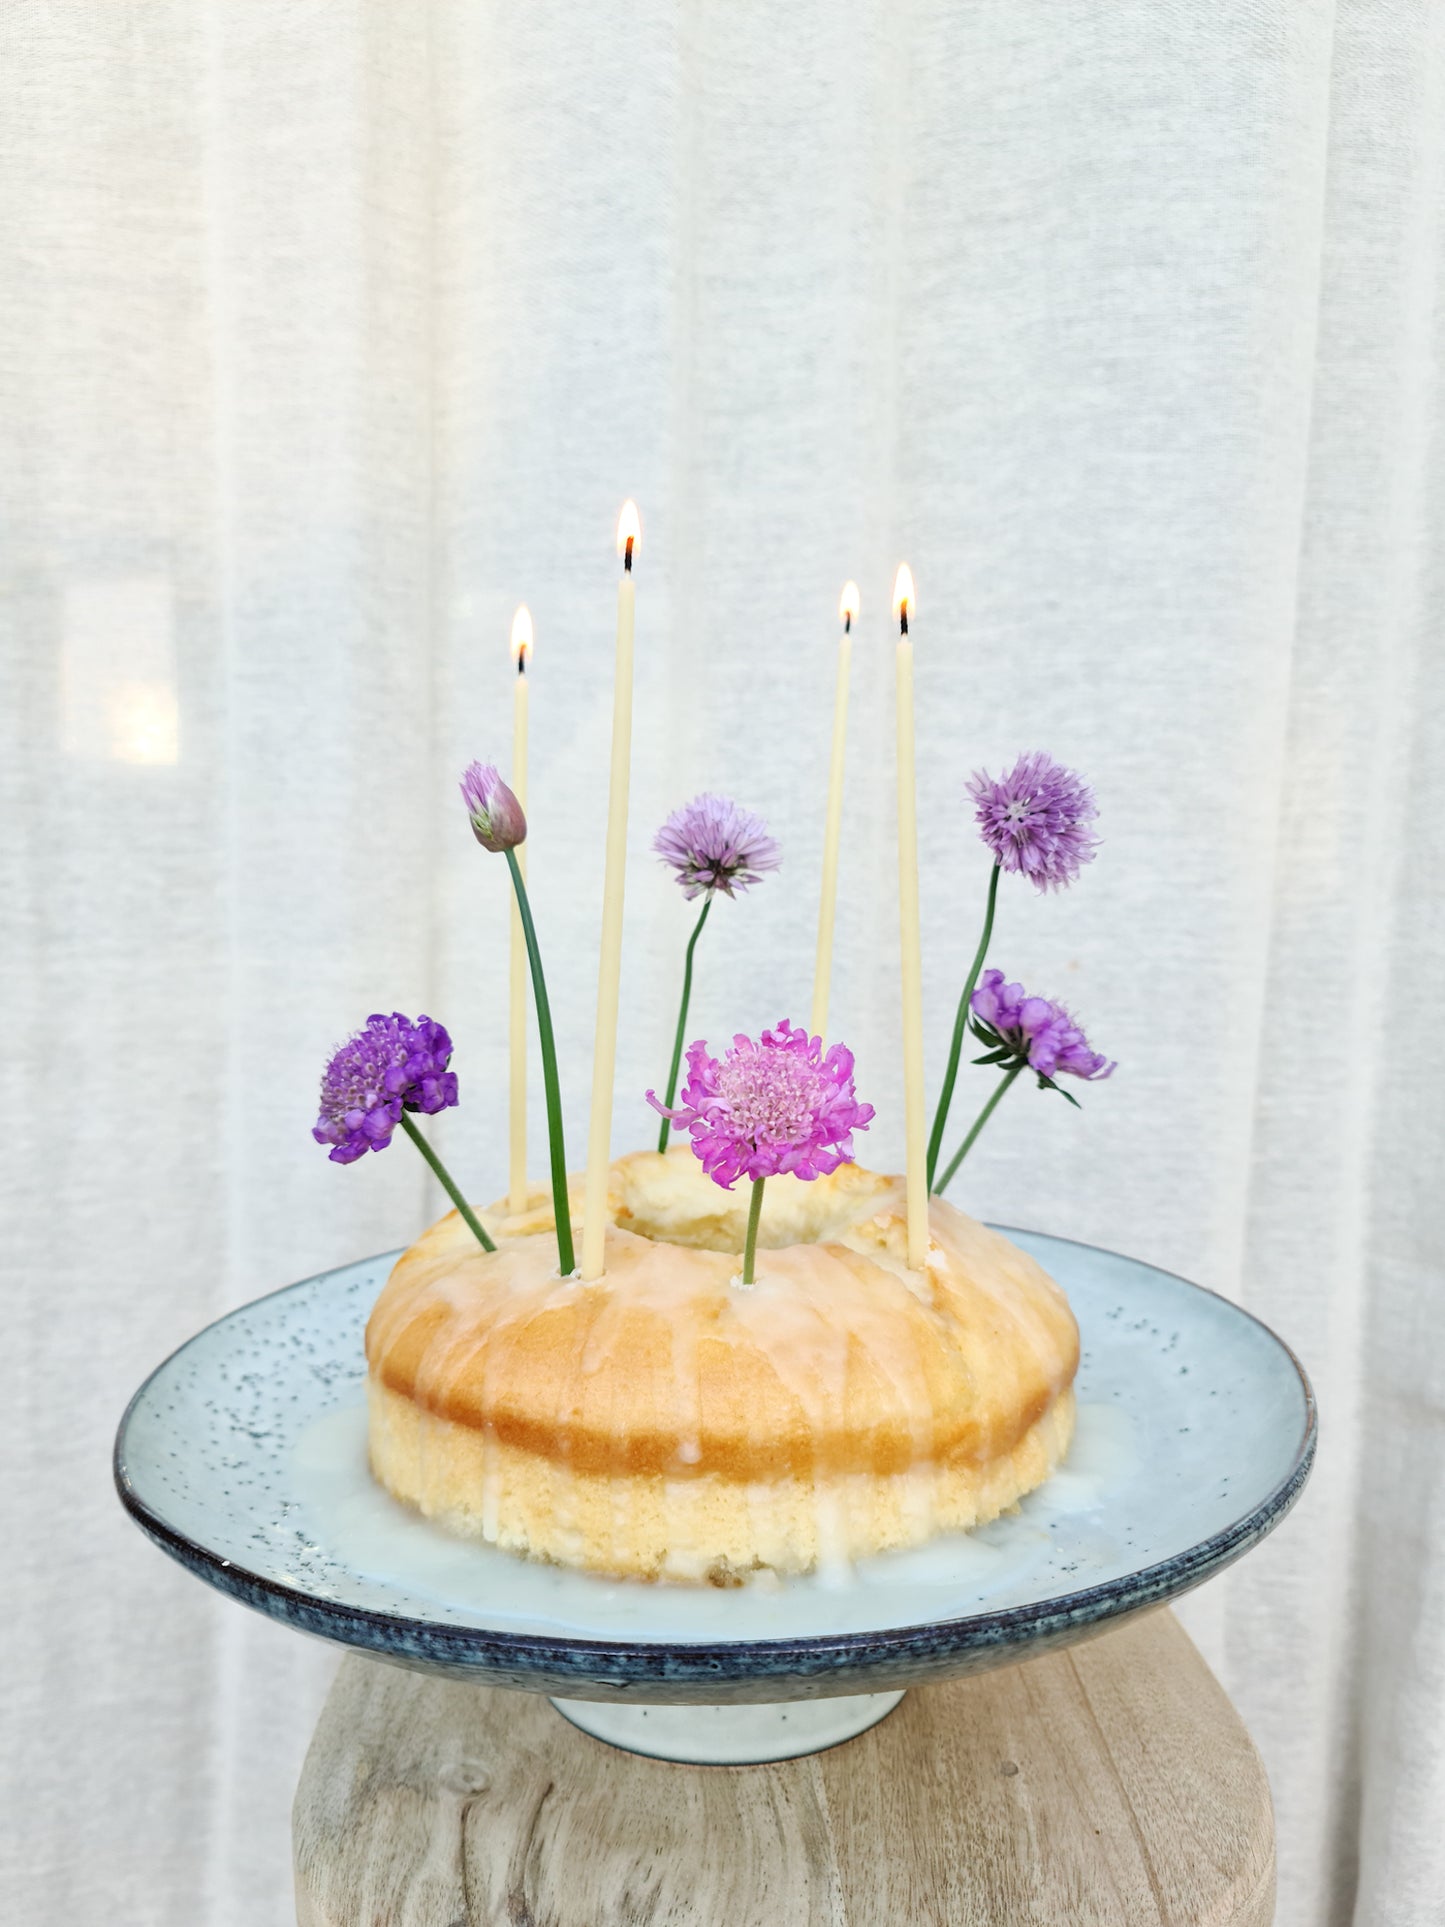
(903, 620)
(521, 662)
(848, 624)
(627, 558)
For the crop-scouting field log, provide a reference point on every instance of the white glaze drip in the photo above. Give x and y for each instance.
(344, 1510)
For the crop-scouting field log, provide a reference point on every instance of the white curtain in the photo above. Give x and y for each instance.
(331, 329)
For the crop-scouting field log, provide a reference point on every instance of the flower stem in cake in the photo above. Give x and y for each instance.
(978, 1123)
(750, 1243)
(676, 1063)
(960, 1025)
(566, 1259)
(499, 824)
(445, 1180)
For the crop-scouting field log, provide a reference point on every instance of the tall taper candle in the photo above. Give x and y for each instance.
(910, 943)
(517, 1179)
(848, 606)
(609, 969)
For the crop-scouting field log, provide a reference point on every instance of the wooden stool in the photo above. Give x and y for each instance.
(1109, 1784)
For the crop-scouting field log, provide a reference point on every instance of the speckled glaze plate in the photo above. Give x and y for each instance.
(243, 1456)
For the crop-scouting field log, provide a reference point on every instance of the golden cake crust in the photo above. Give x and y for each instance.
(840, 1366)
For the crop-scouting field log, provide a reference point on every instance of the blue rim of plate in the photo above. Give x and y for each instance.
(903, 1655)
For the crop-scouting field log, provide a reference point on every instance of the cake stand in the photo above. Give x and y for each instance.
(243, 1457)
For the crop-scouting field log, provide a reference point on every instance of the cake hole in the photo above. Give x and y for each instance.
(671, 1200)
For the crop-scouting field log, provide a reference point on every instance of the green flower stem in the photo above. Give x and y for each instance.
(978, 1123)
(561, 1210)
(750, 1244)
(960, 1026)
(444, 1179)
(662, 1135)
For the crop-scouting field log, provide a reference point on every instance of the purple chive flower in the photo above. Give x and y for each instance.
(1034, 818)
(498, 822)
(714, 845)
(1040, 1032)
(774, 1105)
(389, 1066)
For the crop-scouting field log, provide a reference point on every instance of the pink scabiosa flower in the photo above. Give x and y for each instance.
(713, 844)
(1035, 818)
(388, 1069)
(772, 1105)
(498, 821)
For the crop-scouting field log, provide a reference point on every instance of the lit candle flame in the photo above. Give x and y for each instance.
(849, 604)
(522, 638)
(904, 600)
(629, 532)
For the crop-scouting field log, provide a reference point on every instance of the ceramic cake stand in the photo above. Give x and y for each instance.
(243, 1456)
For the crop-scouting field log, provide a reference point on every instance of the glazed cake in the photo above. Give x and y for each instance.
(668, 1422)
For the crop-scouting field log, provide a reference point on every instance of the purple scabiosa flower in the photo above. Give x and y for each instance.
(498, 822)
(1033, 1031)
(715, 845)
(774, 1104)
(1034, 819)
(389, 1066)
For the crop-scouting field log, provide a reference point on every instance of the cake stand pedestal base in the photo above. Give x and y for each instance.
(1109, 1785)
(729, 1735)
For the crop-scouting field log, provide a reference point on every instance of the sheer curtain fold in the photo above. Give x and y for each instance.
(330, 332)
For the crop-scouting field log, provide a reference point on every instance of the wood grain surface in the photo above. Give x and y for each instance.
(1112, 1783)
